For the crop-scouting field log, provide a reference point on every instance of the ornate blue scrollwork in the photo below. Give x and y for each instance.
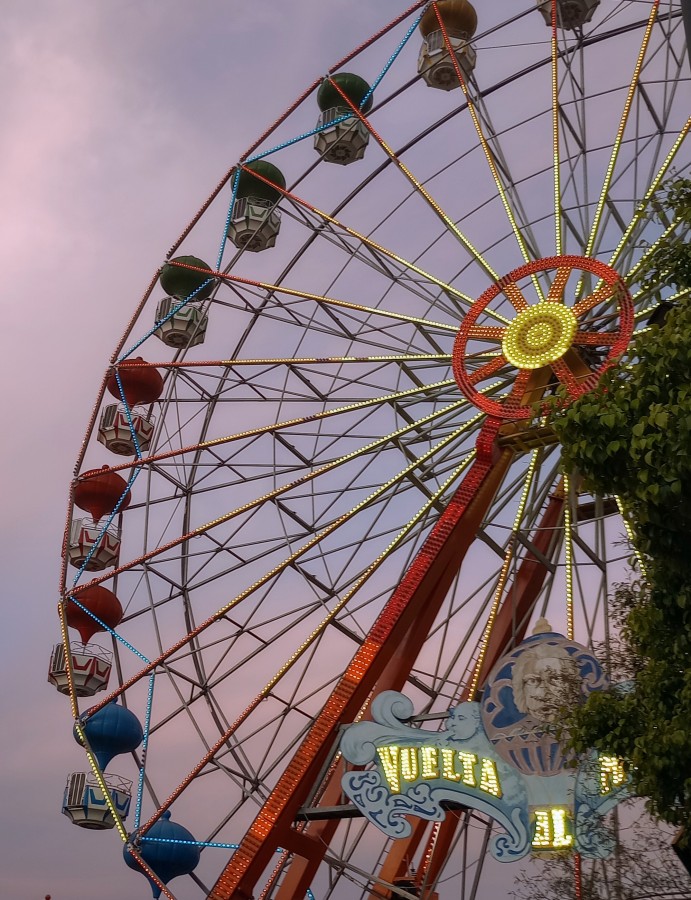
(544, 807)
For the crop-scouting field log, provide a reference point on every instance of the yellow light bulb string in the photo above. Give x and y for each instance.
(489, 156)
(631, 536)
(555, 132)
(654, 185)
(503, 574)
(568, 558)
(68, 659)
(620, 137)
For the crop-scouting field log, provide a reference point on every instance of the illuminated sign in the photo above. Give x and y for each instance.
(406, 764)
(612, 774)
(498, 756)
(552, 828)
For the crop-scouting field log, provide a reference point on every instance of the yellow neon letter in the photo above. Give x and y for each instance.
(489, 777)
(468, 761)
(543, 829)
(447, 762)
(391, 763)
(552, 829)
(430, 762)
(560, 835)
(612, 773)
(410, 769)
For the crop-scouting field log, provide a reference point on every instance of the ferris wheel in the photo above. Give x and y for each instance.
(320, 464)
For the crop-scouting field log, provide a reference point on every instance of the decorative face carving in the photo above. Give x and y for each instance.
(541, 679)
(464, 721)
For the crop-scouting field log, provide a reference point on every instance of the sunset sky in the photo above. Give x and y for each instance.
(119, 118)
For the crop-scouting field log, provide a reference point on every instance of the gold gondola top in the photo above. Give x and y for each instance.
(459, 17)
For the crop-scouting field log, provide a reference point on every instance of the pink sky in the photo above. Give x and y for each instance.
(118, 119)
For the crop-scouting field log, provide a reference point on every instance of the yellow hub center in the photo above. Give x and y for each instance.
(539, 335)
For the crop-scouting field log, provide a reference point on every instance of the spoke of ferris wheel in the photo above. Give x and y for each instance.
(602, 293)
(556, 291)
(290, 361)
(596, 338)
(488, 155)
(643, 207)
(644, 311)
(279, 426)
(666, 234)
(488, 369)
(364, 253)
(424, 193)
(464, 298)
(324, 216)
(282, 118)
(547, 469)
(555, 131)
(597, 218)
(271, 495)
(504, 574)
(312, 542)
(511, 184)
(566, 375)
(332, 301)
(307, 643)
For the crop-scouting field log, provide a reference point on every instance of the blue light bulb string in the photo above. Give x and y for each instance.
(145, 747)
(301, 137)
(110, 631)
(145, 839)
(128, 413)
(181, 305)
(231, 207)
(391, 60)
(343, 118)
(162, 321)
(109, 521)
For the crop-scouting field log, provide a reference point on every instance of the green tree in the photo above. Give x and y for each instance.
(631, 437)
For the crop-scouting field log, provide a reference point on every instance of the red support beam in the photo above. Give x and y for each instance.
(510, 626)
(423, 587)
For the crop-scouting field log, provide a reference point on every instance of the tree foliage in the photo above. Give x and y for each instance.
(669, 262)
(631, 436)
(642, 867)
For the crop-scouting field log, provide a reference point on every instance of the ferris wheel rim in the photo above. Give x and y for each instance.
(210, 412)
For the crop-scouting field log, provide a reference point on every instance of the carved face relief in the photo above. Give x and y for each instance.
(541, 682)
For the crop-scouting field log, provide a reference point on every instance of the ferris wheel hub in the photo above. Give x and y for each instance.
(524, 322)
(539, 335)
